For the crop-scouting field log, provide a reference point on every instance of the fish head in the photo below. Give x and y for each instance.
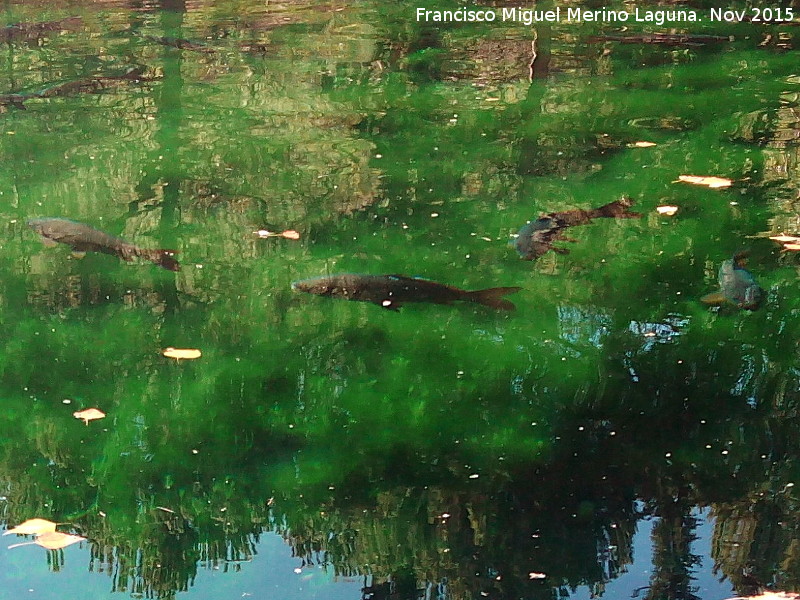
(36, 224)
(319, 286)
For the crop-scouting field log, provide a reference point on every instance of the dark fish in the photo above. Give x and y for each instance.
(392, 291)
(537, 237)
(665, 39)
(70, 88)
(92, 84)
(32, 31)
(83, 238)
(737, 286)
(16, 100)
(180, 43)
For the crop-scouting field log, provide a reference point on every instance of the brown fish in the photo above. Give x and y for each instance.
(392, 291)
(180, 43)
(665, 39)
(83, 238)
(31, 31)
(16, 100)
(88, 85)
(91, 85)
(537, 237)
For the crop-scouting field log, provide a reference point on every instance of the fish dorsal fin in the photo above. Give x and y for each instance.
(400, 277)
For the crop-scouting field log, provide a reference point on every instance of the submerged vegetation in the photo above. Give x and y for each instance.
(456, 450)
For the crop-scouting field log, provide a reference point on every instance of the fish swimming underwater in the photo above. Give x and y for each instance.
(392, 291)
(537, 237)
(88, 85)
(180, 43)
(737, 286)
(16, 100)
(32, 31)
(83, 238)
(92, 85)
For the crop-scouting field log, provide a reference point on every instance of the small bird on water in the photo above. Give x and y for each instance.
(83, 238)
(392, 291)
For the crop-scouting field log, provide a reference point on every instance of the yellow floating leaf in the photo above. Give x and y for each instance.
(89, 414)
(55, 540)
(642, 144)
(52, 540)
(667, 210)
(33, 527)
(711, 182)
(785, 238)
(289, 234)
(179, 353)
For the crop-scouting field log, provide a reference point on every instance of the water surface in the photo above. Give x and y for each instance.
(612, 436)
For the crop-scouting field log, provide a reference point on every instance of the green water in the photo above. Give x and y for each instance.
(612, 433)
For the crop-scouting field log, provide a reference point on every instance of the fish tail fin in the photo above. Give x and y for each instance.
(715, 299)
(493, 297)
(162, 258)
(167, 260)
(618, 209)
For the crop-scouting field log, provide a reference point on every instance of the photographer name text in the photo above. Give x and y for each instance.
(527, 16)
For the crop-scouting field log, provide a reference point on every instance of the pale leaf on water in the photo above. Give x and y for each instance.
(667, 210)
(791, 246)
(56, 540)
(642, 144)
(710, 181)
(182, 353)
(52, 540)
(785, 238)
(289, 234)
(89, 414)
(33, 527)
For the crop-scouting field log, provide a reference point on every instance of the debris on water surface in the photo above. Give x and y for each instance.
(89, 414)
(33, 527)
(289, 234)
(667, 210)
(642, 145)
(790, 242)
(182, 353)
(52, 540)
(708, 181)
(793, 239)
